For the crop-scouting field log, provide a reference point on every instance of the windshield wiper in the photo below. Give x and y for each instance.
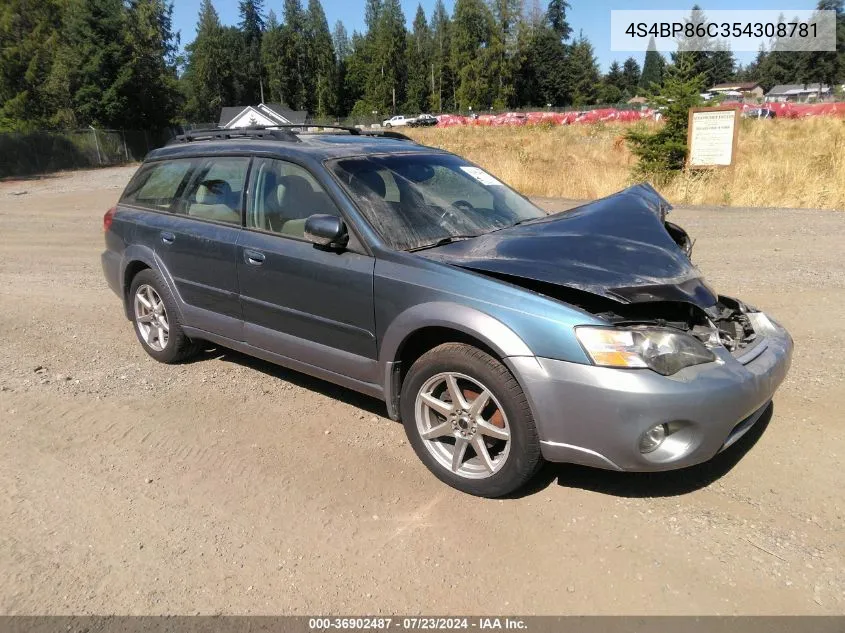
(442, 241)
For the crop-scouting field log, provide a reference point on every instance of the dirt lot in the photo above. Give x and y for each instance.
(228, 485)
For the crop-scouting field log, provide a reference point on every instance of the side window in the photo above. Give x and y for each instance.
(283, 196)
(216, 190)
(158, 184)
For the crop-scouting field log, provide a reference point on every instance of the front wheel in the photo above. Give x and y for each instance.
(469, 421)
(388, 125)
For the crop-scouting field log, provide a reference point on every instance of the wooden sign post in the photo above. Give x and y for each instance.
(711, 137)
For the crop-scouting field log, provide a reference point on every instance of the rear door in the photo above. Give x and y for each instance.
(196, 240)
(310, 304)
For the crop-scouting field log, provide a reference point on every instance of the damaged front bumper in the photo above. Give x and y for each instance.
(596, 416)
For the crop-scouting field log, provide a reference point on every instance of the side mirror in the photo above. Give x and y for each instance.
(326, 230)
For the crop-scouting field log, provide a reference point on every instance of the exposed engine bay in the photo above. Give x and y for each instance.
(726, 323)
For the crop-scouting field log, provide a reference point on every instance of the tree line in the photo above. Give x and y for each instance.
(117, 63)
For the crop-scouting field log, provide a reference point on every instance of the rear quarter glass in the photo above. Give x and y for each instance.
(157, 185)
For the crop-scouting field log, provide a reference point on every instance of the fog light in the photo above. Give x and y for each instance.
(652, 438)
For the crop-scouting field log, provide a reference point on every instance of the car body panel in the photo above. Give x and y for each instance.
(595, 415)
(617, 248)
(307, 294)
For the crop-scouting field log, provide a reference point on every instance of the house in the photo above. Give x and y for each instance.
(637, 101)
(798, 92)
(264, 115)
(745, 89)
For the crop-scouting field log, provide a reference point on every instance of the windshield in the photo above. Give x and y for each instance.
(419, 200)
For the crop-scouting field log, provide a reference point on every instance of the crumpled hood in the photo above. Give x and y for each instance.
(617, 247)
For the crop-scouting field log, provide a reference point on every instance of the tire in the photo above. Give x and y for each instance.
(174, 346)
(388, 125)
(510, 462)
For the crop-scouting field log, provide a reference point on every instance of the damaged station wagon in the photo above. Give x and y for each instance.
(499, 335)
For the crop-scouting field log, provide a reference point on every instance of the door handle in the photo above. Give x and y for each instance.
(167, 237)
(253, 257)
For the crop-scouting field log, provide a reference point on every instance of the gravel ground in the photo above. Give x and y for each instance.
(229, 485)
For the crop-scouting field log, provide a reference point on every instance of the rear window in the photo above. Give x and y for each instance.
(157, 185)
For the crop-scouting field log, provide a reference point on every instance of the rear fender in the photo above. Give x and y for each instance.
(146, 255)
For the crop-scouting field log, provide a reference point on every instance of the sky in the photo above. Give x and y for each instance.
(590, 16)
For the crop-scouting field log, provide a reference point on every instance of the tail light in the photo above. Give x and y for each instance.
(108, 218)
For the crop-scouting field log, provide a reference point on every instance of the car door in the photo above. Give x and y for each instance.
(299, 301)
(198, 245)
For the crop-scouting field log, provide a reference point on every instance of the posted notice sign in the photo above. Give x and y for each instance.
(711, 137)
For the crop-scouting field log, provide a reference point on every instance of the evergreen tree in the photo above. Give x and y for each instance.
(751, 72)
(664, 151)
(372, 13)
(358, 66)
(419, 65)
(584, 71)
(696, 50)
(827, 67)
(147, 83)
(205, 72)
(721, 67)
(543, 77)
(234, 73)
(321, 60)
(781, 66)
(556, 18)
(473, 41)
(614, 76)
(612, 87)
(631, 77)
(343, 51)
(272, 51)
(29, 35)
(252, 30)
(441, 89)
(88, 62)
(294, 67)
(653, 68)
(388, 71)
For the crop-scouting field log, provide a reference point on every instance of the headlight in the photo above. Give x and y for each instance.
(662, 350)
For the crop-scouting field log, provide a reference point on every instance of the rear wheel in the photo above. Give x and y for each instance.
(156, 320)
(469, 422)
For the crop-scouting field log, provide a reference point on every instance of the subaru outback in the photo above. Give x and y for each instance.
(501, 336)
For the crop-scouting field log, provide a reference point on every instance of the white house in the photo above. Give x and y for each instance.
(798, 92)
(262, 115)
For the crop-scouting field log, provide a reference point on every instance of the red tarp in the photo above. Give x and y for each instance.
(783, 110)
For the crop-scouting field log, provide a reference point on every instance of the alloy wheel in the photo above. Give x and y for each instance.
(151, 317)
(462, 425)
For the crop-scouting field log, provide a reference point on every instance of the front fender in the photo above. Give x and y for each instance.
(487, 329)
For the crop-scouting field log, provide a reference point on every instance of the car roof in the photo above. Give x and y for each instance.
(319, 146)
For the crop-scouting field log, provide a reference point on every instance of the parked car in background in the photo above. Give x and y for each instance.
(760, 113)
(396, 121)
(423, 120)
(500, 336)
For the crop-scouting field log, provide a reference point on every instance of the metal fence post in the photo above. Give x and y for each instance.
(97, 144)
(125, 150)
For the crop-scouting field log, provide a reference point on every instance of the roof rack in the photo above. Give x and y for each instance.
(283, 132)
(222, 134)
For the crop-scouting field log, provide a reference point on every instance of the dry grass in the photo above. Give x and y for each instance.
(779, 163)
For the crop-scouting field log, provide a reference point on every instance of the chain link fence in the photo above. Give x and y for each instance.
(39, 152)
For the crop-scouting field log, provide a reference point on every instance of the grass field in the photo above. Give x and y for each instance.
(779, 163)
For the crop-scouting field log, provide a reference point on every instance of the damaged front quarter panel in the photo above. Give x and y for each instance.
(617, 258)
